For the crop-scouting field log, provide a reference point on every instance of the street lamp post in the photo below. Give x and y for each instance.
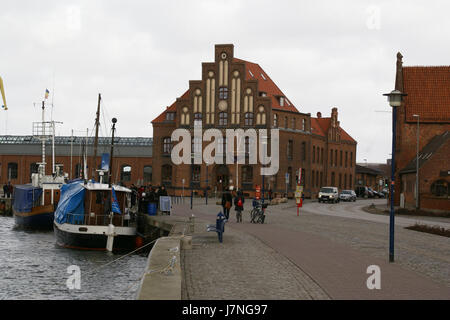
(395, 100)
(417, 161)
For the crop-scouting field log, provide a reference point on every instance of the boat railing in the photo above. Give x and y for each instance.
(119, 220)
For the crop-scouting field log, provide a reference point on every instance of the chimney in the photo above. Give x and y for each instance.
(319, 115)
(399, 73)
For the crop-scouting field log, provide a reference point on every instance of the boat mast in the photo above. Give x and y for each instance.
(114, 120)
(97, 123)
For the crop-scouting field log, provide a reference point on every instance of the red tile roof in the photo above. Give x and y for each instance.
(172, 108)
(428, 90)
(265, 84)
(320, 126)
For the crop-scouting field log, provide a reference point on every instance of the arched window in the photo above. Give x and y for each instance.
(78, 171)
(148, 174)
(34, 168)
(261, 116)
(125, 173)
(248, 119)
(166, 174)
(223, 119)
(440, 188)
(185, 118)
(167, 145)
(247, 174)
(12, 170)
(196, 170)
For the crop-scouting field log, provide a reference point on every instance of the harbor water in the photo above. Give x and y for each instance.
(33, 267)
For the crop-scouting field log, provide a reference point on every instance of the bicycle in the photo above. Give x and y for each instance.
(257, 214)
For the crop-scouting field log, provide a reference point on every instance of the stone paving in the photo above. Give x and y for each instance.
(241, 268)
(427, 255)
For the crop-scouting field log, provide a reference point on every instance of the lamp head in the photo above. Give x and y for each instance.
(395, 98)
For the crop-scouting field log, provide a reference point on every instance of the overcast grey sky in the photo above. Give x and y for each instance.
(141, 54)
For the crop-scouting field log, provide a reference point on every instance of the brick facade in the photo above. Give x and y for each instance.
(244, 94)
(428, 90)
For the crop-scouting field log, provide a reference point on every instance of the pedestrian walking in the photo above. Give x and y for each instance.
(239, 205)
(226, 203)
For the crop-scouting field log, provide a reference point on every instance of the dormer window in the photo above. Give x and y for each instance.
(281, 100)
(249, 71)
(223, 93)
(170, 116)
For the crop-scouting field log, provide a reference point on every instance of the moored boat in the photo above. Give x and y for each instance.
(89, 214)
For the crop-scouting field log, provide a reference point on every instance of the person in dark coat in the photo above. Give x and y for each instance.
(239, 205)
(227, 201)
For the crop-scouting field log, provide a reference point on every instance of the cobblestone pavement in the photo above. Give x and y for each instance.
(240, 268)
(427, 255)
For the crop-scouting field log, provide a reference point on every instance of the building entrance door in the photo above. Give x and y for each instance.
(222, 177)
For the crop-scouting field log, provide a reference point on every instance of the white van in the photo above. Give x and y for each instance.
(329, 194)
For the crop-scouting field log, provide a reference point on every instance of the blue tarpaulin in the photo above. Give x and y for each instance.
(71, 204)
(115, 204)
(105, 161)
(24, 197)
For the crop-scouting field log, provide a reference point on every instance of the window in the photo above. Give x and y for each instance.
(346, 158)
(261, 116)
(321, 154)
(262, 94)
(167, 145)
(185, 120)
(247, 174)
(223, 93)
(331, 157)
(293, 123)
(351, 159)
(275, 120)
(335, 158)
(12, 170)
(314, 154)
(290, 149)
(170, 116)
(34, 168)
(148, 174)
(440, 188)
(196, 169)
(303, 150)
(166, 174)
(197, 118)
(125, 173)
(223, 119)
(286, 122)
(248, 119)
(312, 179)
(290, 177)
(340, 159)
(78, 170)
(304, 124)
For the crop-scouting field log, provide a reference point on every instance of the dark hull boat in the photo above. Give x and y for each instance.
(85, 219)
(31, 209)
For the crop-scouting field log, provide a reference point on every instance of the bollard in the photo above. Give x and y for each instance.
(192, 224)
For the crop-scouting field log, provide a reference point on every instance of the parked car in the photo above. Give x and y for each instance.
(328, 194)
(370, 193)
(361, 192)
(347, 195)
